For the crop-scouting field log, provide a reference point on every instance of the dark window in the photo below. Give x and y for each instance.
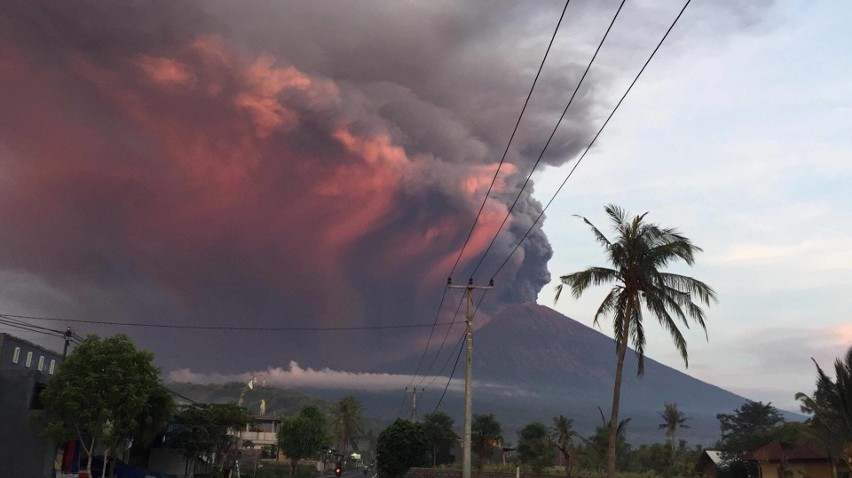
(36, 403)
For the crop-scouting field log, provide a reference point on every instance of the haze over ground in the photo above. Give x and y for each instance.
(319, 165)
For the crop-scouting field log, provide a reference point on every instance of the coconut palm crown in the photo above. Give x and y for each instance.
(637, 256)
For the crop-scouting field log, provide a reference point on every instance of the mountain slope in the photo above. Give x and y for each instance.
(532, 363)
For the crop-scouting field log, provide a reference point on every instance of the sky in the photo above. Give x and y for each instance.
(319, 164)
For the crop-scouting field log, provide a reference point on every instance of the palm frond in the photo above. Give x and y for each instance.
(582, 280)
(599, 236)
(608, 305)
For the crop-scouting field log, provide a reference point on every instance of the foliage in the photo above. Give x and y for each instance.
(749, 427)
(400, 446)
(655, 457)
(303, 435)
(637, 256)
(439, 430)
(267, 470)
(279, 402)
(105, 391)
(485, 432)
(203, 429)
(831, 407)
(535, 448)
(672, 420)
(347, 422)
(562, 435)
(596, 446)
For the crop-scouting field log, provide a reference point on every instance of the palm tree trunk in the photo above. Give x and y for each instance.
(616, 397)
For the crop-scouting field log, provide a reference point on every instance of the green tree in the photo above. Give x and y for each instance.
(637, 256)
(535, 449)
(672, 420)
(439, 429)
(400, 446)
(596, 446)
(831, 407)
(205, 429)
(105, 391)
(485, 433)
(347, 422)
(749, 427)
(303, 435)
(562, 434)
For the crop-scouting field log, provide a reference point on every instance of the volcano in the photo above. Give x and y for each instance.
(531, 363)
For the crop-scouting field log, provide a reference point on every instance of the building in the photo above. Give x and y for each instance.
(25, 369)
(710, 462)
(798, 461)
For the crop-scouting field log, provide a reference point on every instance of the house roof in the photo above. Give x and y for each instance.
(708, 457)
(773, 451)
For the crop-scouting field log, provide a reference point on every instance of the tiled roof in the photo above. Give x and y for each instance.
(774, 452)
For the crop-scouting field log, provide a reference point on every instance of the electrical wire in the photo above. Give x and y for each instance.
(429, 340)
(443, 342)
(580, 159)
(227, 327)
(512, 137)
(450, 378)
(490, 187)
(481, 298)
(549, 139)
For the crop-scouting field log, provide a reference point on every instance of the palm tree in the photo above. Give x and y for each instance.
(641, 250)
(562, 434)
(347, 422)
(831, 406)
(672, 420)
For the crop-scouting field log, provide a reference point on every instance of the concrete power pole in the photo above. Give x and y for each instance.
(414, 404)
(468, 370)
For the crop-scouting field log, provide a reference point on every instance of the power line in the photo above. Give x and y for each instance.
(446, 362)
(580, 159)
(512, 137)
(443, 342)
(491, 186)
(461, 347)
(228, 327)
(458, 356)
(429, 340)
(550, 138)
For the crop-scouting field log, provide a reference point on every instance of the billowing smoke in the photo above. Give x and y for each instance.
(301, 164)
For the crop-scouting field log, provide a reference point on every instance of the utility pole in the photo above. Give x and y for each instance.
(67, 336)
(414, 404)
(468, 370)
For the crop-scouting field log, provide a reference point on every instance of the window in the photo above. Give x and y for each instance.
(52, 366)
(16, 355)
(36, 402)
(40, 363)
(29, 359)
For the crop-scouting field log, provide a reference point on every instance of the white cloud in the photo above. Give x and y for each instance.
(297, 377)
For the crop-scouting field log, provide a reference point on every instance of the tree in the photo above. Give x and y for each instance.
(831, 407)
(637, 256)
(597, 445)
(204, 429)
(562, 434)
(439, 430)
(347, 422)
(303, 435)
(485, 432)
(535, 448)
(672, 420)
(400, 446)
(748, 428)
(105, 391)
